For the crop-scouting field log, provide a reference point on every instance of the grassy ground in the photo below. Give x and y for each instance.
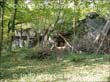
(67, 68)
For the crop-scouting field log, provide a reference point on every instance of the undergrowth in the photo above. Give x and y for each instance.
(16, 66)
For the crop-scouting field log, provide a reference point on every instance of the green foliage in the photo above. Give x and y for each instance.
(43, 17)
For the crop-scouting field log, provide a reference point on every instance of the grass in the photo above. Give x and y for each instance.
(65, 68)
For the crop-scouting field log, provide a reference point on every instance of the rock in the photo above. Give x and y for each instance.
(92, 15)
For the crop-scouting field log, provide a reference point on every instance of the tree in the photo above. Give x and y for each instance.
(2, 25)
(13, 21)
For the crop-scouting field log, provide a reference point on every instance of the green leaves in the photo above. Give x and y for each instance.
(44, 13)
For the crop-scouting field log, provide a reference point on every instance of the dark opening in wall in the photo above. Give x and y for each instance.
(60, 42)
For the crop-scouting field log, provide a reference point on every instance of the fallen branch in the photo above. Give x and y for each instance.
(67, 42)
(107, 26)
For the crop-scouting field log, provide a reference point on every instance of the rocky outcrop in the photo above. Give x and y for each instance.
(97, 37)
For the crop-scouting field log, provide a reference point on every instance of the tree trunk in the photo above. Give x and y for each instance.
(13, 21)
(2, 26)
(14, 15)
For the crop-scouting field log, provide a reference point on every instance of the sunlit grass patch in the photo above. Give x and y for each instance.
(70, 68)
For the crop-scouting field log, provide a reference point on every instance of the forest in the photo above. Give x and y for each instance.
(54, 40)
